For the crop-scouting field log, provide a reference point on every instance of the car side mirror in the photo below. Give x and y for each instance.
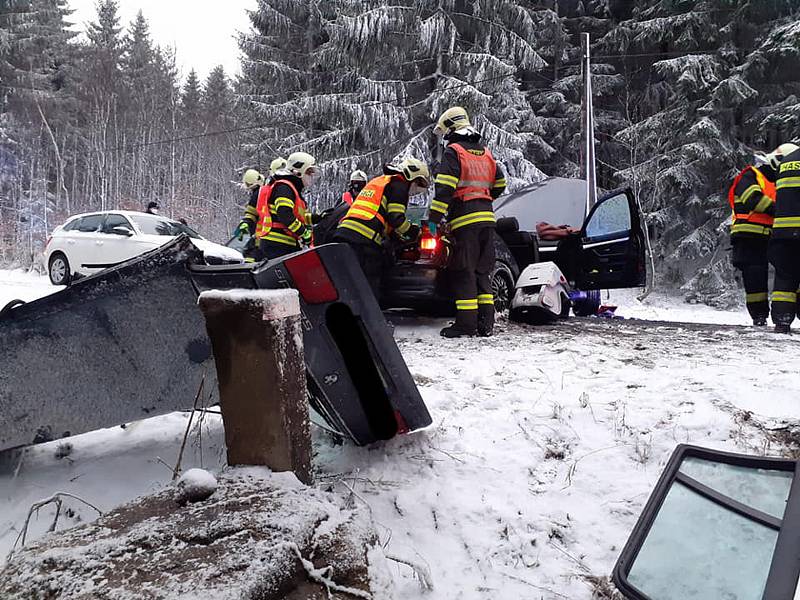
(122, 230)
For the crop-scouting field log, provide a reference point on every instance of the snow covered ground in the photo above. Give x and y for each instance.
(545, 445)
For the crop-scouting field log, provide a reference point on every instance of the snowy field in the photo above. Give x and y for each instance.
(545, 445)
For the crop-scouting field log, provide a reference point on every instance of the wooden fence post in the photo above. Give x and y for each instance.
(257, 340)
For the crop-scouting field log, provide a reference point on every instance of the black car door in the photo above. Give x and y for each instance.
(611, 253)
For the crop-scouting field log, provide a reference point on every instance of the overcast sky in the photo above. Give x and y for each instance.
(202, 31)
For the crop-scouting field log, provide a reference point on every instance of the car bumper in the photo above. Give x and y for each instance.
(414, 285)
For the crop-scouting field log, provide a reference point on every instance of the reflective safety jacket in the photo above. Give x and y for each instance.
(251, 210)
(283, 215)
(468, 180)
(752, 200)
(787, 199)
(378, 210)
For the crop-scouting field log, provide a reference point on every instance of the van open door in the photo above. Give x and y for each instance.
(611, 252)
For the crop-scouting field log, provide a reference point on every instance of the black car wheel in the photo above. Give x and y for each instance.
(502, 286)
(58, 269)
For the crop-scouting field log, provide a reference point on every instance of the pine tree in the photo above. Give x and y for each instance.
(191, 102)
(375, 75)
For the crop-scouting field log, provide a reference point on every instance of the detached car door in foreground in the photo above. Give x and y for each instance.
(718, 526)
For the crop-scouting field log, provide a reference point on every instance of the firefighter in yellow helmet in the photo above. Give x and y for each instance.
(784, 245)
(380, 210)
(467, 182)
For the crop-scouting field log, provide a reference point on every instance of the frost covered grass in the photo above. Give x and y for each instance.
(545, 446)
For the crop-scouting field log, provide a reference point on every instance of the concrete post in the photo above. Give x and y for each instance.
(257, 341)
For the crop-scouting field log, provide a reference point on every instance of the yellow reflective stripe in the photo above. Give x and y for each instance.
(438, 206)
(786, 222)
(250, 211)
(467, 304)
(403, 227)
(283, 202)
(395, 207)
(357, 212)
(784, 296)
(756, 297)
(447, 180)
(787, 182)
(362, 229)
(483, 216)
(295, 225)
(750, 228)
(763, 204)
(274, 236)
(745, 196)
(308, 218)
(485, 299)
(499, 183)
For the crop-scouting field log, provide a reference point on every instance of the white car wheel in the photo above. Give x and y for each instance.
(58, 269)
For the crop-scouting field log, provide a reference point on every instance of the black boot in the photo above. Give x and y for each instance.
(466, 325)
(783, 328)
(485, 320)
(760, 321)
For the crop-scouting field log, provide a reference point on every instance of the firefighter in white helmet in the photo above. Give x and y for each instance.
(284, 221)
(467, 182)
(379, 211)
(784, 245)
(358, 179)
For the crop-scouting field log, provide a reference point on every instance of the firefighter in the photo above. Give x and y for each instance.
(358, 179)
(152, 208)
(252, 181)
(380, 210)
(784, 246)
(752, 200)
(467, 182)
(284, 221)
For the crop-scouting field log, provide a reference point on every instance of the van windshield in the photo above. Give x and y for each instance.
(155, 225)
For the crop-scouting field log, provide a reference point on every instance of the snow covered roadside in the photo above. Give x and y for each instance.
(545, 445)
(21, 285)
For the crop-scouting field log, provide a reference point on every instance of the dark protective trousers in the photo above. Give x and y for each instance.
(750, 257)
(785, 257)
(370, 258)
(470, 271)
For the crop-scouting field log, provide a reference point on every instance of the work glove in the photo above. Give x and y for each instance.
(307, 237)
(245, 228)
(432, 228)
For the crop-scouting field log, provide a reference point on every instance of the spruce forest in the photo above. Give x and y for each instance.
(684, 92)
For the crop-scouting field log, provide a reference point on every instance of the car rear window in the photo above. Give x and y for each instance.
(71, 225)
(155, 225)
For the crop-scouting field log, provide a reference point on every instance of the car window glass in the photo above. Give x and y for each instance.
(90, 223)
(690, 540)
(114, 220)
(762, 489)
(72, 225)
(611, 216)
(155, 225)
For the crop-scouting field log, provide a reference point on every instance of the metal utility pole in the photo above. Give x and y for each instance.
(588, 167)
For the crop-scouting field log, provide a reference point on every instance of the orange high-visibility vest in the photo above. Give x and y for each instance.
(265, 222)
(367, 205)
(478, 174)
(767, 188)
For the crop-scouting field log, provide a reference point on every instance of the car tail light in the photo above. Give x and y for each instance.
(311, 278)
(428, 243)
(47, 243)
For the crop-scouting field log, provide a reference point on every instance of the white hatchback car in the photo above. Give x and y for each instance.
(88, 243)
